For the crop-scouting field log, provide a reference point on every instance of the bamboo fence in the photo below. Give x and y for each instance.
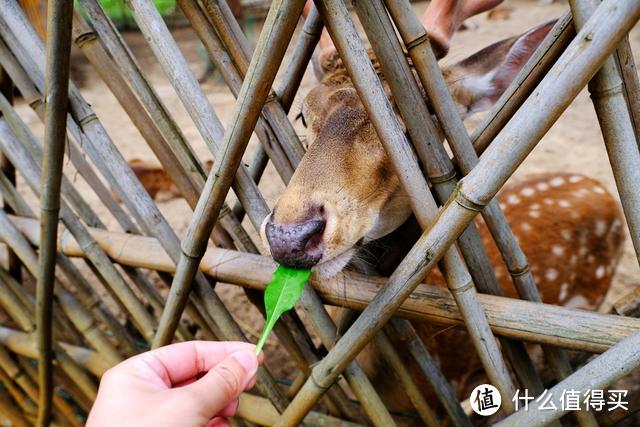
(71, 256)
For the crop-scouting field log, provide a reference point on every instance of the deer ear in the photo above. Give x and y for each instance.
(478, 81)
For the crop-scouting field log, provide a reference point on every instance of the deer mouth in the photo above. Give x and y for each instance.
(332, 266)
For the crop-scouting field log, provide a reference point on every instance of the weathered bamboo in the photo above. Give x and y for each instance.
(178, 144)
(34, 98)
(629, 75)
(233, 78)
(97, 143)
(79, 317)
(401, 372)
(524, 83)
(273, 111)
(18, 376)
(56, 91)
(427, 68)
(250, 100)
(607, 93)
(19, 395)
(258, 410)
(523, 320)
(22, 343)
(439, 169)
(404, 332)
(571, 72)
(6, 89)
(612, 365)
(28, 167)
(9, 410)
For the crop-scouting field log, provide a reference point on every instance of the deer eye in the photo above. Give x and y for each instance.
(300, 117)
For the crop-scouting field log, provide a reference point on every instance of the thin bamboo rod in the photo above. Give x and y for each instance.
(427, 415)
(425, 62)
(250, 100)
(9, 410)
(233, 78)
(22, 314)
(607, 93)
(570, 73)
(30, 171)
(23, 344)
(381, 113)
(629, 75)
(19, 395)
(34, 98)
(273, 111)
(523, 320)
(404, 332)
(81, 285)
(18, 376)
(612, 365)
(59, 13)
(439, 169)
(195, 102)
(103, 153)
(524, 83)
(6, 88)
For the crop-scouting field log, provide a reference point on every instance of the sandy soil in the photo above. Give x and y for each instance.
(573, 144)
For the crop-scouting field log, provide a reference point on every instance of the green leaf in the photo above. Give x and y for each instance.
(281, 295)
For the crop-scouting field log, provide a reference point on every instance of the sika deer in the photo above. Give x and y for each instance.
(345, 195)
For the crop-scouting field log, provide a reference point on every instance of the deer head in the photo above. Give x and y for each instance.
(345, 192)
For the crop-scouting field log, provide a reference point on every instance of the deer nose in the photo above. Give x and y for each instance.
(296, 245)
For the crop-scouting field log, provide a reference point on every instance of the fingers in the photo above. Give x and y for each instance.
(219, 422)
(228, 379)
(178, 363)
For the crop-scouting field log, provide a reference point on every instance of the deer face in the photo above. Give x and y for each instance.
(345, 192)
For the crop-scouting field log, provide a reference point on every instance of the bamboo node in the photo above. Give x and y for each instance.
(445, 177)
(519, 271)
(607, 93)
(84, 38)
(465, 202)
(88, 119)
(462, 288)
(424, 38)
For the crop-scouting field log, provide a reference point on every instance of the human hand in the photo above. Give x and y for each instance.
(194, 383)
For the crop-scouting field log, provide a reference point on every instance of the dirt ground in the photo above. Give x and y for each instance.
(573, 144)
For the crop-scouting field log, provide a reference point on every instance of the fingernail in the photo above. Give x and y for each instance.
(248, 360)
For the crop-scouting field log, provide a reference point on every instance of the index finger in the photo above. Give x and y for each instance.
(177, 363)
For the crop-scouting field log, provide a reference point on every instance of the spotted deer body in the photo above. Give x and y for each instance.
(345, 196)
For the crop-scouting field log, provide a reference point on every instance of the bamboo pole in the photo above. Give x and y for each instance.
(56, 90)
(612, 365)
(258, 410)
(629, 75)
(525, 82)
(523, 320)
(6, 88)
(9, 410)
(273, 112)
(607, 92)
(571, 72)
(19, 395)
(28, 167)
(250, 99)
(22, 314)
(426, 65)
(404, 332)
(17, 375)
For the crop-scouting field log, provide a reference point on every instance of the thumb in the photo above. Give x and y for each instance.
(225, 381)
